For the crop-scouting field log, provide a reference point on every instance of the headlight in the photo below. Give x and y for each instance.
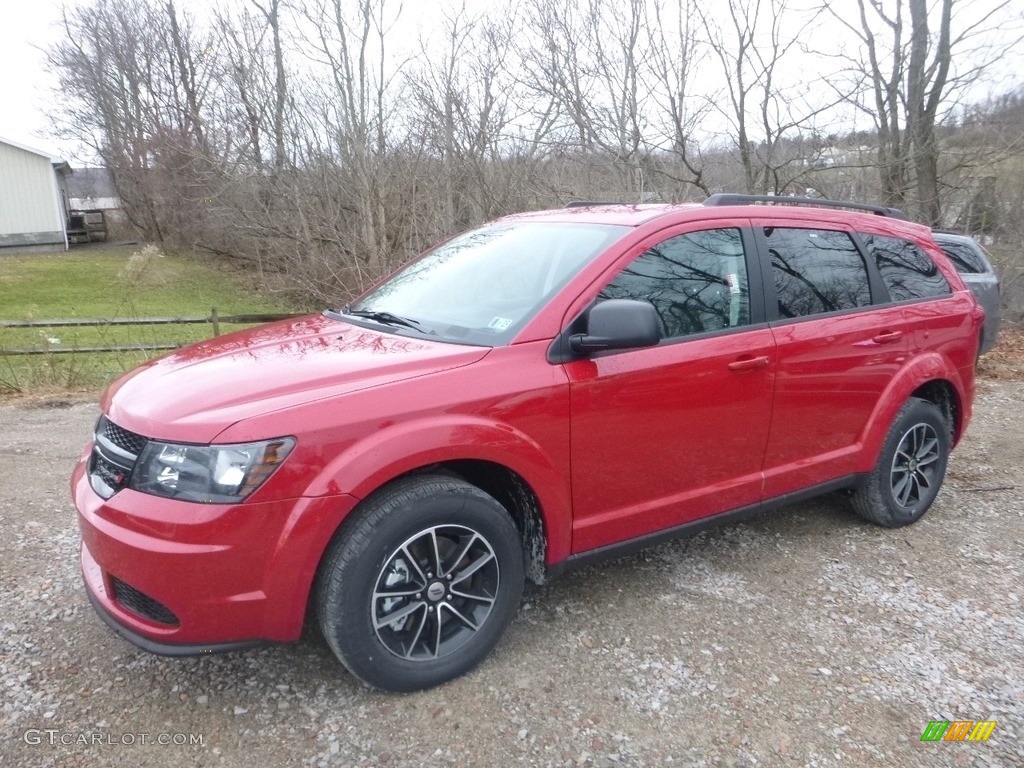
(214, 474)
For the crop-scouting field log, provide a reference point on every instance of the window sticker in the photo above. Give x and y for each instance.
(499, 323)
(734, 283)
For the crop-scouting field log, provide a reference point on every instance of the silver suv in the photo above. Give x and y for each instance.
(975, 267)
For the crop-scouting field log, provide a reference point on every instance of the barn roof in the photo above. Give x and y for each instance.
(59, 164)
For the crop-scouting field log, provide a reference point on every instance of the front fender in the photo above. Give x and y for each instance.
(382, 456)
(926, 367)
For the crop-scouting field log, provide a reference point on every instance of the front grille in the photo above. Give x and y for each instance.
(111, 474)
(122, 438)
(114, 453)
(142, 604)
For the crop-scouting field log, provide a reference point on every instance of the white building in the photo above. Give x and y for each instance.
(92, 188)
(33, 199)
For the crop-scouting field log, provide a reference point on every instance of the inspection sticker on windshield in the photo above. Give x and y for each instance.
(499, 323)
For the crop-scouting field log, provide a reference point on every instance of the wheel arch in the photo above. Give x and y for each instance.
(519, 499)
(930, 377)
(499, 459)
(510, 489)
(942, 393)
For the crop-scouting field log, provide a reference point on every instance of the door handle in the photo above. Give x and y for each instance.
(749, 363)
(887, 337)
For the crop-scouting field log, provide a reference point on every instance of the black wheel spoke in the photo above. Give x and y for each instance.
(413, 562)
(915, 486)
(435, 566)
(902, 489)
(460, 554)
(470, 596)
(458, 614)
(437, 631)
(395, 593)
(472, 568)
(928, 448)
(396, 617)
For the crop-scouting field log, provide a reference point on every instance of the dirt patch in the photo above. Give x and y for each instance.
(802, 638)
(1006, 359)
(47, 397)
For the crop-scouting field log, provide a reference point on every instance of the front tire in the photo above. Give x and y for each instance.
(910, 469)
(421, 583)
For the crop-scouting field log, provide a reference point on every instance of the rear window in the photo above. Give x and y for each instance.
(966, 260)
(816, 271)
(907, 271)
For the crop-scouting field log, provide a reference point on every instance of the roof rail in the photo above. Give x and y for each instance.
(734, 199)
(588, 203)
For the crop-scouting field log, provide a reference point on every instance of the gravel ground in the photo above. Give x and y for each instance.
(802, 638)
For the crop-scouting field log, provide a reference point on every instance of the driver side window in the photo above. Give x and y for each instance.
(697, 282)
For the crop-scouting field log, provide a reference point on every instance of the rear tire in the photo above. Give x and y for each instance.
(910, 469)
(421, 583)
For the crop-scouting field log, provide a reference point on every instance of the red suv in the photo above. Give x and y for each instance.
(549, 389)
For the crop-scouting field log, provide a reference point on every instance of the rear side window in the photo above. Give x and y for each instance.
(907, 271)
(964, 258)
(697, 282)
(816, 271)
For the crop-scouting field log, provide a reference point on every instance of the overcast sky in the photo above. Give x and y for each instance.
(27, 89)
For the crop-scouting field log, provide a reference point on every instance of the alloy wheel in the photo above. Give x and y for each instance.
(435, 592)
(913, 473)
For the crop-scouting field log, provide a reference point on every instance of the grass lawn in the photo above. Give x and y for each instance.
(109, 283)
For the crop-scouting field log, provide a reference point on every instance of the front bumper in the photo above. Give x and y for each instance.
(163, 649)
(229, 576)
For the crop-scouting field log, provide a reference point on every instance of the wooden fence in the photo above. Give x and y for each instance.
(214, 319)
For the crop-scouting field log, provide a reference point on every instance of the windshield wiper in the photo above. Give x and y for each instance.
(383, 317)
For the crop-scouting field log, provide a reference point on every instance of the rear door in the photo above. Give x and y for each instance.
(837, 351)
(939, 317)
(668, 434)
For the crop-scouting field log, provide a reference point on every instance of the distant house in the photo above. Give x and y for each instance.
(33, 199)
(92, 188)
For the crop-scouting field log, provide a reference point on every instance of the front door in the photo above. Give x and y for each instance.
(669, 434)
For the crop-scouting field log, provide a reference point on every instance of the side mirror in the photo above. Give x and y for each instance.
(618, 324)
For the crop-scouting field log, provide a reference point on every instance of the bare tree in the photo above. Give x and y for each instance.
(350, 42)
(466, 114)
(927, 76)
(589, 58)
(763, 110)
(911, 81)
(271, 11)
(674, 59)
(140, 86)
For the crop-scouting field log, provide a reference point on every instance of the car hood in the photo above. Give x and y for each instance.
(196, 392)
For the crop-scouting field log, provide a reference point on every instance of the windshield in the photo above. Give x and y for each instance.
(484, 285)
